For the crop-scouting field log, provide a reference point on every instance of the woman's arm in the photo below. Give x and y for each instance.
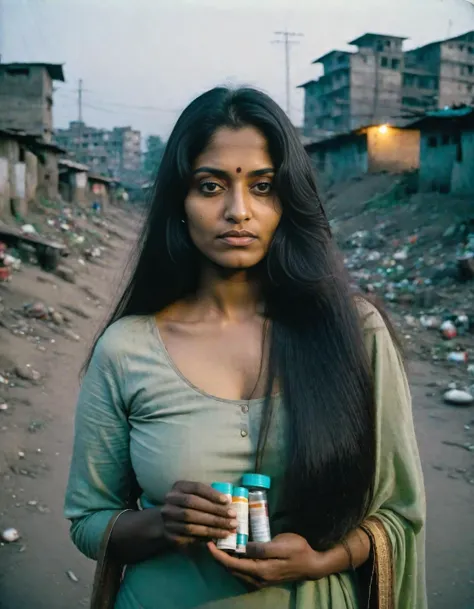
(399, 498)
(138, 535)
(347, 556)
(101, 478)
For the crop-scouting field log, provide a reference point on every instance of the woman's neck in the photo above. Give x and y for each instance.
(231, 295)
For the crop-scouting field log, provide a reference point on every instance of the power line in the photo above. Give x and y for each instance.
(101, 104)
(287, 41)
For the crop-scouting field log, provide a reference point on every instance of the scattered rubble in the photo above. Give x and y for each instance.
(456, 397)
(72, 576)
(10, 535)
(417, 273)
(27, 373)
(66, 274)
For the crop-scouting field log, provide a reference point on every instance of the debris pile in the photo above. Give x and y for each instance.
(416, 255)
(9, 262)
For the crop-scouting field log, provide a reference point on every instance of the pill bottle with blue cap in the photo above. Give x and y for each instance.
(240, 503)
(229, 543)
(257, 485)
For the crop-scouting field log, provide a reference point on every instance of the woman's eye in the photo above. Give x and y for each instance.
(210, 188)
(263, 188)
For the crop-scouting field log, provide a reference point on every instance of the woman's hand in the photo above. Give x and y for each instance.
(194, 511)
(287, 558)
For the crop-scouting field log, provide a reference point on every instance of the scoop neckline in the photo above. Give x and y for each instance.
(157, 334)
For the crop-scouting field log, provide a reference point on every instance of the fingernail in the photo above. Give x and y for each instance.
(225, 499)
(233, 523)
(232, 514)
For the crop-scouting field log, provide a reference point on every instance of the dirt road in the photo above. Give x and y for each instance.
(39, 423)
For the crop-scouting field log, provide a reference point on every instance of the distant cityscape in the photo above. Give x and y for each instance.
(116, 153)
(382, 83)
(379, 82)
(26, 102)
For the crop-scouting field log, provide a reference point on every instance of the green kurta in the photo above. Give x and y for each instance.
(136, 412)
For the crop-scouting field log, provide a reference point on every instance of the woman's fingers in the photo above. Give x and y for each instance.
(244, 566)
(199, 504)
(195, 530)
(193, 509)
(201, 490)
(189, 516)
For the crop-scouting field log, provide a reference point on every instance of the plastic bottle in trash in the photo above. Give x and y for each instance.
(229, 543)
(448, 330)
(257, 485)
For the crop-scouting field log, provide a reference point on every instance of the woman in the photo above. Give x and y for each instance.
(236, 346)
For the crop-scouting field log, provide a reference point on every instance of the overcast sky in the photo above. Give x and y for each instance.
(142, 61)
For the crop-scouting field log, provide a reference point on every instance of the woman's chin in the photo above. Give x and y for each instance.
(237, 260)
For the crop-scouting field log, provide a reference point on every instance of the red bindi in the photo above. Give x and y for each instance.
(239, 169)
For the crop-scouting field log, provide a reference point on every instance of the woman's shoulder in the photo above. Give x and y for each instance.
(125, 336)
(370, 317)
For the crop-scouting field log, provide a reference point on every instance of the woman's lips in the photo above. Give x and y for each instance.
(237, 241)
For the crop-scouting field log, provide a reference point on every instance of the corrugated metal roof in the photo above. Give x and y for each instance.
(102, 179)
(450, 112)
(441, 117)
(31, 139)
(55, 70)
(369, 36)
(306, 84)
(72, 165)
(327, 55)
(467, 36)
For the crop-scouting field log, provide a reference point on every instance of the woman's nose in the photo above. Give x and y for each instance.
(238, 205)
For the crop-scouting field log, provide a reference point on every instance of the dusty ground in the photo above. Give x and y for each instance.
(39, 424)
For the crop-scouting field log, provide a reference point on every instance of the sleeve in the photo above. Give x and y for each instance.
(101, 474)
(399, 496)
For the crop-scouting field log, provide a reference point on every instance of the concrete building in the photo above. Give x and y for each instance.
(101, 190)
(48, 155)
(367, 150)
(73, 185)
(447, 151)
(26, 97)
(440, 74)
(155, 147)
(28, 169)
(358, 88)
(380, 83)
(127, 146)
(115, 153)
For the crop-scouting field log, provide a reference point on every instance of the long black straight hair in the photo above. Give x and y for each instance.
(317, 354)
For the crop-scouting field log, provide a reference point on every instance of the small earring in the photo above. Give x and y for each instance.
(183, 221)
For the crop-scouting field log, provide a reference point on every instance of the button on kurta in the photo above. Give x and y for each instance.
(245, 408)
(244, 433)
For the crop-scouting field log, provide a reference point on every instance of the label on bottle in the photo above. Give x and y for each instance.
(241, 506)
(229, 543)
(259, 521)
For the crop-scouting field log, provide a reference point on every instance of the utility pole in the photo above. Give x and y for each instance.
(2, 29)
(287, 40)
(79, 152)
(79, 99)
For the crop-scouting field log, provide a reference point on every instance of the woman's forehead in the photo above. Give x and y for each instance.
(236, 146)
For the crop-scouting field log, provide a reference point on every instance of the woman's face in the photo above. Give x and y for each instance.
(231, 209)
